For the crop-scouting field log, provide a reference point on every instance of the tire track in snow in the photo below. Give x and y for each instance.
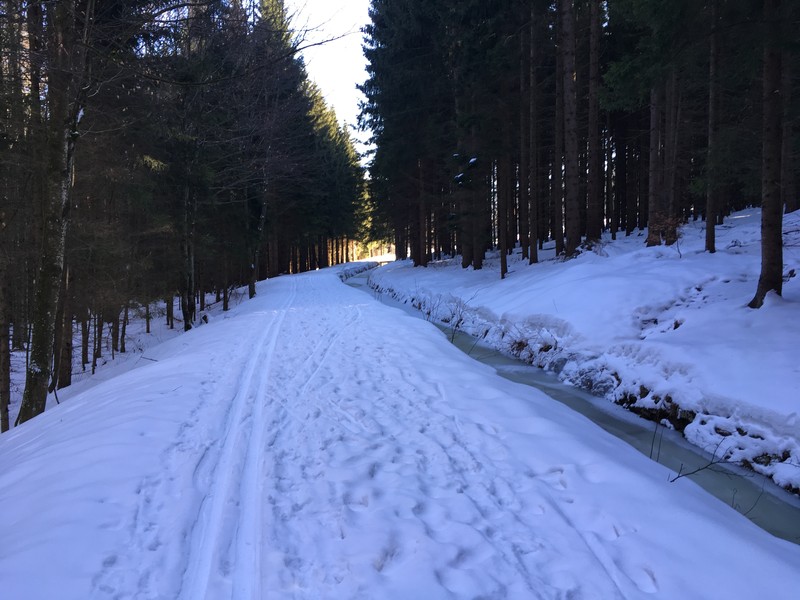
(206, 537)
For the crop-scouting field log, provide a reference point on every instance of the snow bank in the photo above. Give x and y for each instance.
(664, 331)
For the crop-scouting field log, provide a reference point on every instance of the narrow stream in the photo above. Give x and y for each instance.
(768, 506)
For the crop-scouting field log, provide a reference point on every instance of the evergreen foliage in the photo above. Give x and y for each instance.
(154, 149)
(476, 107)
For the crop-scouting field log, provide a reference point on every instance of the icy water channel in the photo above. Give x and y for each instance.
(768, 506)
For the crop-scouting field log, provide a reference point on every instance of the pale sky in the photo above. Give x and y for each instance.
(339, 65)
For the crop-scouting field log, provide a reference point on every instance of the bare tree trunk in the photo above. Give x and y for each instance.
(771, 278)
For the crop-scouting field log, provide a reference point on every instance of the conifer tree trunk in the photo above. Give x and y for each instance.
(255, 249)
(656, 215)
(670, 166)
(620, 166)
(643, 167)
(19, 332)
(63, 350)
(97, 350)
(85, 323)
(789, 197)
(98, 336)
(612, 210)
(503, 193)
(324, 260)
(572, 221)
(771, 277)
(557, 188)
(524, 138)
(124, 330)
(625, 201)
(480, 223)
(422, 215)
(711, 167)
(304, 259)
(466, 224)
(11, 178)
(5, 350)
(594, 186)
(533, 138)
(273, 259)
(187, 279)
(465, 195)
(116, 317)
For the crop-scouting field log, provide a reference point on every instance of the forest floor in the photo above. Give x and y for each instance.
(315, 443)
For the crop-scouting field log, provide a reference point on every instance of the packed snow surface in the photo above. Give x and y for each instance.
(664, 329)
(314, 443)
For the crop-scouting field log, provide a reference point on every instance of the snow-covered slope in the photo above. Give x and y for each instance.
(313, 443)
(664, 330)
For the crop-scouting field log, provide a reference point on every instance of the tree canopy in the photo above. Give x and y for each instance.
(154, 149)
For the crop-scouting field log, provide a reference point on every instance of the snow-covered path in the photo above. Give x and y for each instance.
(314, 443)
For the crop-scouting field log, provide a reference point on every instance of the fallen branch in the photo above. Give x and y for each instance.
(714, 461)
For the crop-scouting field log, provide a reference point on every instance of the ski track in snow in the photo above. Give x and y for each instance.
(228, 508)
(312, 444)
(318, 430)
(351, 474)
